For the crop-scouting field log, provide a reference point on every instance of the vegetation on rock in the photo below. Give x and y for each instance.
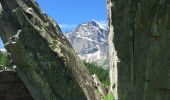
(4, 61)
(109, 97)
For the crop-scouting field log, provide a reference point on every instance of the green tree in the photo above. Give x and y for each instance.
(4, 61)
(102, 74)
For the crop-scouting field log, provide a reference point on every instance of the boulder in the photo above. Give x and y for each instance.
(139, 49)
(45, 60)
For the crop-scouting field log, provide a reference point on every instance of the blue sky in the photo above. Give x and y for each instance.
(70, 13)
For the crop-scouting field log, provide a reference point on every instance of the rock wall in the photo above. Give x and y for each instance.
(112, 54)
(140, 32)
(45, 60)
(12, 88)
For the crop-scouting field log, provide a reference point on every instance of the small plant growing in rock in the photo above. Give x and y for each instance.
(109, 97)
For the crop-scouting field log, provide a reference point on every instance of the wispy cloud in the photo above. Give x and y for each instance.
(103, 23)
(67, 27)
(70, 27)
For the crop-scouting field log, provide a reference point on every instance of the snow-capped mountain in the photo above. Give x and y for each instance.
(3, 50)
(90, 40)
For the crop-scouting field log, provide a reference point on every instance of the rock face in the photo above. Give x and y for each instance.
(12, 88)
(140, 31)
(45, 60)
(90, 40)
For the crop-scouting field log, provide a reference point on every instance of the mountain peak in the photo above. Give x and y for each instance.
(93, 23)
(90, 41)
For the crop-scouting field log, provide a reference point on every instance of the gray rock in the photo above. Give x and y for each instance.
(45, 60)
(142, 42)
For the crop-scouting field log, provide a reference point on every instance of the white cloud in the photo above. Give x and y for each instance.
(103, 23)
(67, 27)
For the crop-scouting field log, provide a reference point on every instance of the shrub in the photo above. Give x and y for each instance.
(4, 60)
(109, 97)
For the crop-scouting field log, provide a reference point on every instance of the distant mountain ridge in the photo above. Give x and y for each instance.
(90, 40)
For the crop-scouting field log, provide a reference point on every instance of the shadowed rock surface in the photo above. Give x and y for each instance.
(12, 88)
(45, 60)
(140, 31)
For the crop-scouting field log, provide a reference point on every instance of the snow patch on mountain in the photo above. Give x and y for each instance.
(3, 50)
(90, 40)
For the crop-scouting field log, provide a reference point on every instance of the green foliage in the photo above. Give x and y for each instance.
(102, 74)
(109, 97)
(4, 60)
